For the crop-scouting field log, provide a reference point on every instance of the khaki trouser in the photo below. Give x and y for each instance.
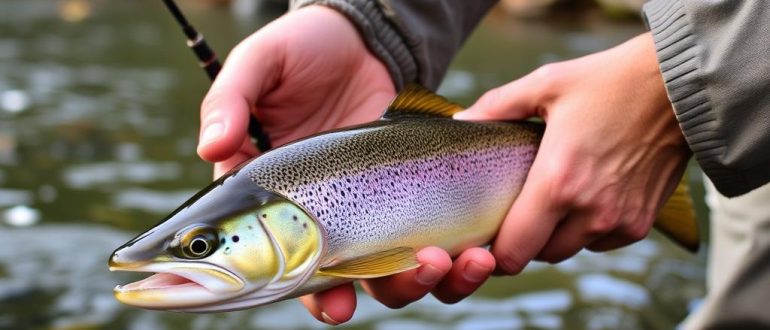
(738, 278)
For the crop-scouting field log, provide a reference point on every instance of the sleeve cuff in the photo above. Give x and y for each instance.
(678, 55)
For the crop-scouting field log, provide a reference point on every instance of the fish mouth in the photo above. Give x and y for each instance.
(176, 285)
(159, 281)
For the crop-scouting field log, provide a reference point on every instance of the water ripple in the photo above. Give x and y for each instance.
(601, 287)
(91, 175)
(150, 200)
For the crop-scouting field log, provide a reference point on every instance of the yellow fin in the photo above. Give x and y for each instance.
(378, 264)
(418, 100)
(677, 218)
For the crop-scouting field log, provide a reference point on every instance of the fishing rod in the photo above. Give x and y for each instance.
(210, 63)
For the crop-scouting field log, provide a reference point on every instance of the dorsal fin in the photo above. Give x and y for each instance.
(416, 100)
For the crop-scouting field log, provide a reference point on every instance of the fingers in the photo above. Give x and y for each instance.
(528, 225)
(469, 271)
(449, 282)
(250, 69)
(570, 236)
(594, 230)
(610, 242)
(517, 100)
(401, 289)
(632, 230)
(333, 306)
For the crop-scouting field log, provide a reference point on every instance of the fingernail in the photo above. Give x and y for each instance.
(461, 115)
(428, 275)
(475, 272)
(212, 132)
(328, 319)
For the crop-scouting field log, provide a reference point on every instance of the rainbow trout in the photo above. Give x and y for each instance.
(348, 204)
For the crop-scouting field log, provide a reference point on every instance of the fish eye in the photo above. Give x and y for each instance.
(199, 246)
(195, 243)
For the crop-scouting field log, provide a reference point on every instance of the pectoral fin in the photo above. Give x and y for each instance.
(677, 218)
(378, 264)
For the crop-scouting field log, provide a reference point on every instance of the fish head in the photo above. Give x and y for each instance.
(234, 245)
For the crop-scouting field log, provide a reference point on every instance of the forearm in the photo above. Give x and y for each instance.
(714, 59)
(416, 39)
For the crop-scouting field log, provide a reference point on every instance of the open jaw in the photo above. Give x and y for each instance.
(179, 286)
(159, 281)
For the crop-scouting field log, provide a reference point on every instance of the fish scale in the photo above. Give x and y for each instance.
(403, 179)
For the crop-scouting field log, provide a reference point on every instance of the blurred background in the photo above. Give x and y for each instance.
(98, 126)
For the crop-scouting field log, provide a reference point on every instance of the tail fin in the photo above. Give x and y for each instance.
(677, 219)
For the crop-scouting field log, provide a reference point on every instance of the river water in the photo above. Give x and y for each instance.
(98, 126)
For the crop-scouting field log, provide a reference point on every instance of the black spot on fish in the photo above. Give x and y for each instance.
(250, 227)
(236, 239)
(304, 225)
(294, 217)
(264, 215)
(222, 241)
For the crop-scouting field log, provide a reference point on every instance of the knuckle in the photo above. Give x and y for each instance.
(491, 98)
(636, 233)
(563, 193)
(564, 189)
(547, 75)
(553, 257)
(511, 263)
(246, 45)
(606, 222)
(545, 71)
(549, 79)
(639, 227)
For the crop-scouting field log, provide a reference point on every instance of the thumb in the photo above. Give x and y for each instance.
(250, 70)
(224, 121)
(517, 100)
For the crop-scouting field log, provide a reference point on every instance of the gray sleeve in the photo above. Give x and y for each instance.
(715, 60)
(416, 39)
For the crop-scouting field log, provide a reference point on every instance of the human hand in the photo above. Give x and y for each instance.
(307, 72)
(611, 155)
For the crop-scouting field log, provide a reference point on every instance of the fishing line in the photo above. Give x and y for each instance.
(208, 60)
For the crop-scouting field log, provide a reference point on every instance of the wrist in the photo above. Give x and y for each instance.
(641, 50)
(378, 33)
(642, 54)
